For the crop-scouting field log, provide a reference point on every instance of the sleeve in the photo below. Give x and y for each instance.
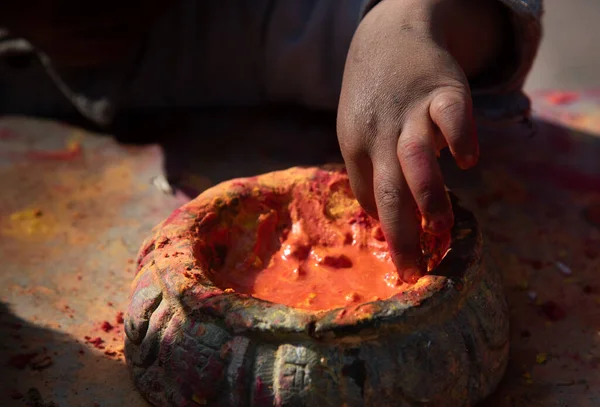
(503, 99)
(526, 22)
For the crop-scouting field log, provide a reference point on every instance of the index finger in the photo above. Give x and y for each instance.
(396, 210)
(418, 159)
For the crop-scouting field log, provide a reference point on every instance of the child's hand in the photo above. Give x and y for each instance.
(404, 98)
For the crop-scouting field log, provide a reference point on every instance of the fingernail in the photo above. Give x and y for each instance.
(468, 161)
(411, 275)
(436, 224)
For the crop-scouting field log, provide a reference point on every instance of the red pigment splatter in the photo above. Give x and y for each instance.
(70, 153)
(96, 342)
(562, 98)
(22, 360)
(119, 317)
(110, 304)
(106, 326)
(258, 385)
(110, 353)
(553, 311)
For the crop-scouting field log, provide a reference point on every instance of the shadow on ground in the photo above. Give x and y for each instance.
(43, 367)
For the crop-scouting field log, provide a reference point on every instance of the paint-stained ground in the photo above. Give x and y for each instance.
(75, 206)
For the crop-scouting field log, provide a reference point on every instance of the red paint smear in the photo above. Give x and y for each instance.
(22, 360)
(59, 155)
(119, 317)
(172, 217)
(561, 98)
(258, 385)
(96, 342)
(106, 326)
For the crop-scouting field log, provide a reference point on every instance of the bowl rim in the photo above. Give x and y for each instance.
(432, 299)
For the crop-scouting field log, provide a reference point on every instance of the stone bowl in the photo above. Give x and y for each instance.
(443, 342)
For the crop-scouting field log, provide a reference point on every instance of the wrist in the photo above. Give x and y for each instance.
(472, 31)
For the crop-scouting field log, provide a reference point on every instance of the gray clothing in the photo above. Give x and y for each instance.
(238, 53)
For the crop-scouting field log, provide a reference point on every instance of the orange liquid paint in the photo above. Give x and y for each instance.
(319, 252)
(316, 285)
(320, 278)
